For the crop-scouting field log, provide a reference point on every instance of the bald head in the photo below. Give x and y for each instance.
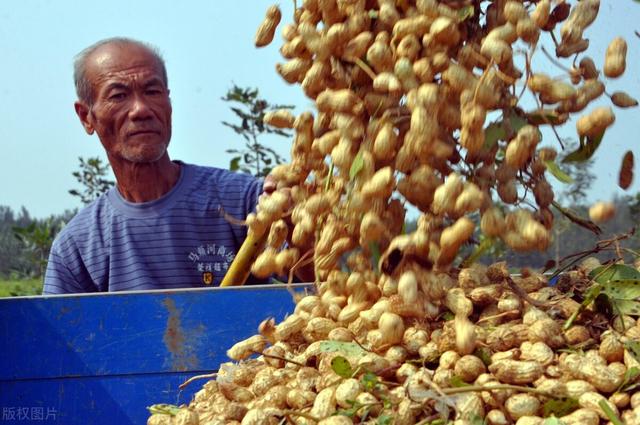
(83, 85)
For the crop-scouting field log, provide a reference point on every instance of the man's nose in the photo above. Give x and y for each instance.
(140, 108)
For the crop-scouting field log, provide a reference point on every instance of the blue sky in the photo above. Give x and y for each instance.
(207, 45)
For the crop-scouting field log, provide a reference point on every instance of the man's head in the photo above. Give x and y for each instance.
(123, 97)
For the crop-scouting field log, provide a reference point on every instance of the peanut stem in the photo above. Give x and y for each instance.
(476, 388)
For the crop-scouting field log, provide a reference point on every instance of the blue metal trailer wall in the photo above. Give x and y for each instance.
(101, 359)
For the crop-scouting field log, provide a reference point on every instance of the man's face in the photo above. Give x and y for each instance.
(131, 109)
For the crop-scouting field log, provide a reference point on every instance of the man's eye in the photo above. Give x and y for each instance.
(154, 92)
(117, 96)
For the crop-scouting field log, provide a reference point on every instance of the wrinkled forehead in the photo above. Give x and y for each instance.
(126, 61)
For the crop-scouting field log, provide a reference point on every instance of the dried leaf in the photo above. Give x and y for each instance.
(573, 217)
(626, 171)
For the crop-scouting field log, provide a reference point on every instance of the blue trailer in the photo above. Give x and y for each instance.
(103, 358)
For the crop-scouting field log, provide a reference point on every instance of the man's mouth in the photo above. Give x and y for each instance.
(141, 132)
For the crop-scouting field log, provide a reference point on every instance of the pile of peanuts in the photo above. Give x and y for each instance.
(403, 91)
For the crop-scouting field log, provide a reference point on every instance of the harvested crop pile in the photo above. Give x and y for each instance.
(399, 332)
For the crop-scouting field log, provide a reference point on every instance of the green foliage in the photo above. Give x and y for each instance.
(348, 349)
(585, 151)
(559, 406)
(611, 415)
(503, 129)
(582, 176)
(24, 242)
(556, 172)
(616, 287)
(630, 382)
(341, 367)
(37, 238)
(20, 287)
(92, 177)
(249, 108)
(356, 166)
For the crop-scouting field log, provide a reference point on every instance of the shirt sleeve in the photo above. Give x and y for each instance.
(59, 279)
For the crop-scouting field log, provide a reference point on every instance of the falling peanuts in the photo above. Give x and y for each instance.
(380, 185)
(453, 237)
(282, 118)
(343, 100)
(267, 28)
(596, 122)
(420, 104)
(615, 58)
(602, 211)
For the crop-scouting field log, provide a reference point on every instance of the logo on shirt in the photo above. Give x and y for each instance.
(211, 259)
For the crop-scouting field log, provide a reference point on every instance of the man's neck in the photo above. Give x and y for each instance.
(144, 182)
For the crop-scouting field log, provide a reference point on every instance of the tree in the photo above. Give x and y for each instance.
(92, 176)
(37, 238)
(249, 108)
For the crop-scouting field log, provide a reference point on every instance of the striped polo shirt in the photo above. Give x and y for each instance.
(181, 240)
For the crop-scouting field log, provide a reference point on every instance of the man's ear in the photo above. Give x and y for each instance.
(83, 111)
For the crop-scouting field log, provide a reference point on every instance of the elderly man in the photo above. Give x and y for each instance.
(162, 225)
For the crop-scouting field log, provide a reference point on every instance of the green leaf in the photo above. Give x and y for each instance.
(552, 421)
(351, 411)
(630, 378)
(234, 164)
(457, 382)
(604, 274)
(476, 420)
(634, 349)
(628, 307)
(478, 252)
(348, 349)
(557, 172)
(585, 151)
(544, 117)
(484, 354)
(356, 166)
(163, 409)
(369, 381)
(384, 420)
(374, 249)
(497, 130)
(609, 413)
(559, 406)
(447, 316)
(623, 289)
(465, 13)
(341, 367)
(492, 133)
